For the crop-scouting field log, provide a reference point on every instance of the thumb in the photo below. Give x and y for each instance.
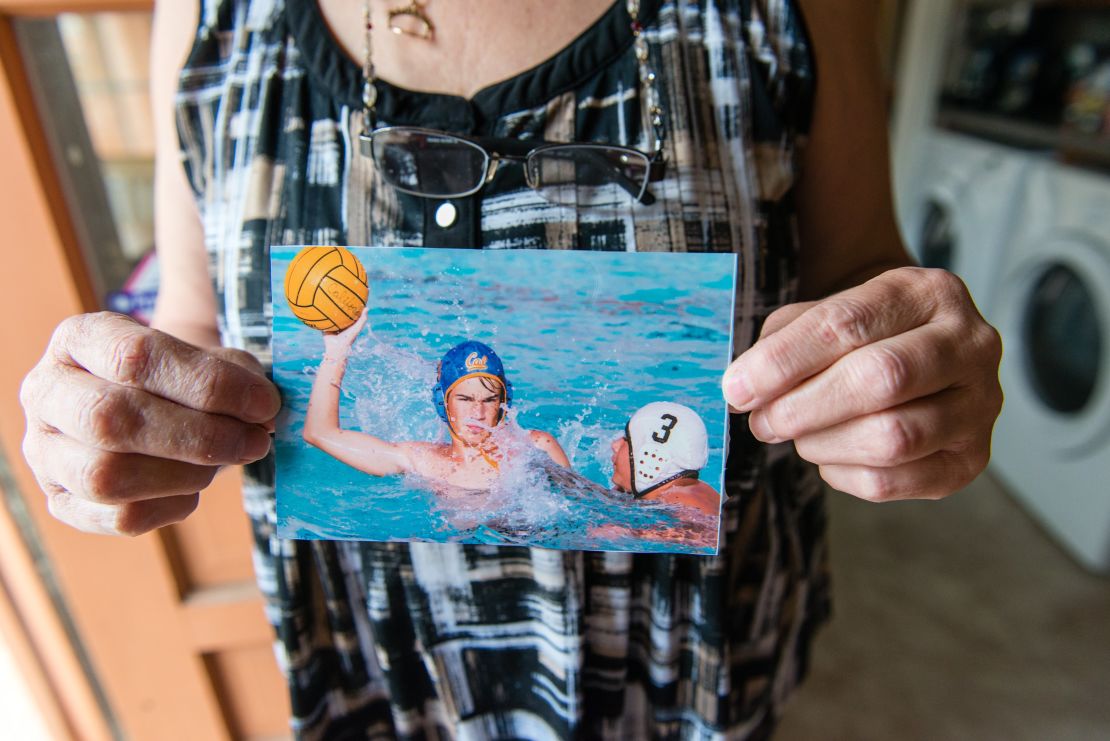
(775, 321)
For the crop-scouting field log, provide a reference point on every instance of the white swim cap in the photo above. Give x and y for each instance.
(665, 441)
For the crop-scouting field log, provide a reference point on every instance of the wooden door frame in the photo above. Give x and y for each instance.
(136, 666)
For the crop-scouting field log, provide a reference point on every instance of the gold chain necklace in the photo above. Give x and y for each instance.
(652, 110)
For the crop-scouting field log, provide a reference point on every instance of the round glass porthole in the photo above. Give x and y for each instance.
(938, 237)
(1063, 339)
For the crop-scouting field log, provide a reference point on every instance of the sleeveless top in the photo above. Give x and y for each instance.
(395, 640)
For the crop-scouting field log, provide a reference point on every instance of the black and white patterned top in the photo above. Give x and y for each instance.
(384, 640)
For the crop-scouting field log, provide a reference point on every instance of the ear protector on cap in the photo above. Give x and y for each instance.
(666, 441)
(464, 360)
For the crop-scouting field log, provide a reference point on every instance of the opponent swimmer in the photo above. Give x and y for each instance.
(664, 447)
(472, 396)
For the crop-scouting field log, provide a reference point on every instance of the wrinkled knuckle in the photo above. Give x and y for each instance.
(29, 447)
(29, 395)
(842, 322)
(887, 373)
(988, 405)
(900, 441)
(212, 378)
(876, 486)
(34, 447)
(997, 400)
(100, 478)
(107, 418)
(131, 353)
(991, 343)
(950, 289)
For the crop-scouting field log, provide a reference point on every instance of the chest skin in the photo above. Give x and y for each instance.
(477, 43)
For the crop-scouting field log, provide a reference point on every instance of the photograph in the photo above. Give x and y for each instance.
(454, 395)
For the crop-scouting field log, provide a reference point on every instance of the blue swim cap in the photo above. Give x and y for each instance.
(464, 360)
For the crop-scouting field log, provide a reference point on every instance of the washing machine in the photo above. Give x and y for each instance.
(963, 207)
(1052, 306)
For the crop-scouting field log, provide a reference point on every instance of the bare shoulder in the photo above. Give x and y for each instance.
(544, 440)
(539, 437)
(703, 488)
(415, 457)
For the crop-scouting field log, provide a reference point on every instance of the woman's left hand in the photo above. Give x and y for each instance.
(891, 387)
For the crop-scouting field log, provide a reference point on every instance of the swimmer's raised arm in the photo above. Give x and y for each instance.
(360, 450)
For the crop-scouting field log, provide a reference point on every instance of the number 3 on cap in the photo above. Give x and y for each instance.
(669, 421)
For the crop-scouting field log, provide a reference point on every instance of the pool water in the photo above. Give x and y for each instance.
(586, 338)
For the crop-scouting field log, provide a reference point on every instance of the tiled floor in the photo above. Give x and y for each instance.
(955, 620)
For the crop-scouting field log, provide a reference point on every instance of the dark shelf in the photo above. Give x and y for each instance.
(1070, 147)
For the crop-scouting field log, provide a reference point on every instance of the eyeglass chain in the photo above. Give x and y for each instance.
(652, 109)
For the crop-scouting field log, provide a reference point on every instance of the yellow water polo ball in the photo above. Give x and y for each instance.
(326, 287)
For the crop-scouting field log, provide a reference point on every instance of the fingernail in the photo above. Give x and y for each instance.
(761, 428)
(254, 445)
(262, 402)
(737, 390)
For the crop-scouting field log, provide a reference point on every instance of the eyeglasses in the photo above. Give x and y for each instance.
(437, 164)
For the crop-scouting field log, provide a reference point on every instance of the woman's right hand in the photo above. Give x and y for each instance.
(126, 424)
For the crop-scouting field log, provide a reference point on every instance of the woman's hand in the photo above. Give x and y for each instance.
(126, 424)
(891, 387)
(338, 344)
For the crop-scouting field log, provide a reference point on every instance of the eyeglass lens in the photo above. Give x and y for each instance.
(559, 172)
(441, 165)
(429, 164)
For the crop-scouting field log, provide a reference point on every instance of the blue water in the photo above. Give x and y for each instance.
(586, 338)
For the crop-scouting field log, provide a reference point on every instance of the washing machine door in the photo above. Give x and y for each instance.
(1052, 443)
(937, 242)
(1054, 317)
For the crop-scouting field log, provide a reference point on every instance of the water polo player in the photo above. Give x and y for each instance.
(664, 447)
(472, 396)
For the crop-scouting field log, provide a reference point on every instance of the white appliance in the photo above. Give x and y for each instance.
(963, 210)
(1052, 306)
(1043, 274)
(956, 194)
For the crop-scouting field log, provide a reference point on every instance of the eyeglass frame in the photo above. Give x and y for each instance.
(651, 106)
(491, 149)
